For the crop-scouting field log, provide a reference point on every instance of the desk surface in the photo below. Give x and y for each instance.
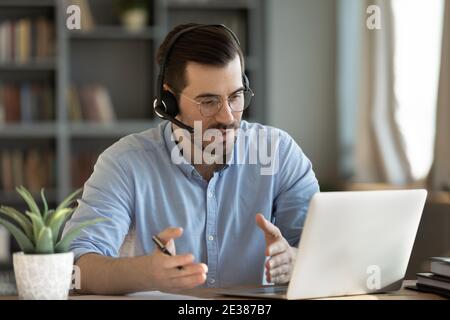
(209, 293)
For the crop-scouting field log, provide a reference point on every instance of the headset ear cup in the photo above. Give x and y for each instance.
(245, 81)
(171, 103)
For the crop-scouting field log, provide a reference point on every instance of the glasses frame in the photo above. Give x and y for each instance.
(245, 90)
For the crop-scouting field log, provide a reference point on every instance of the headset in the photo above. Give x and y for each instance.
(165, 103)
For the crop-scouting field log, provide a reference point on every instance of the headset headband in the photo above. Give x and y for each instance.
(162, 66)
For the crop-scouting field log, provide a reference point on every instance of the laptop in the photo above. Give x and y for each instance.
(352, 243)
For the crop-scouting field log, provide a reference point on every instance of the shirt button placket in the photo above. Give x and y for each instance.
(211, 243)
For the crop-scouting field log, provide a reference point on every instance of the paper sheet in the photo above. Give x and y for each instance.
(158, 295)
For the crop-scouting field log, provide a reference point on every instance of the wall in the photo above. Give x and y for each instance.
(301, 78)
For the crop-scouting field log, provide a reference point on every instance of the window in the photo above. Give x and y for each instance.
(418, 35)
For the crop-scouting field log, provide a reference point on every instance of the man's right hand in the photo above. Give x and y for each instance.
(164, 271)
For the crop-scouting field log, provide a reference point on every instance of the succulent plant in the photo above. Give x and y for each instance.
(40, 232)
(124, 5)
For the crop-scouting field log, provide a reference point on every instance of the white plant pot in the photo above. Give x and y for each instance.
(43, 276)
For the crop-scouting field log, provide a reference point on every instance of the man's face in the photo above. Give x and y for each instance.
(211, 81)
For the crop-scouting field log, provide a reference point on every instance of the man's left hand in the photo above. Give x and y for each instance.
(282, 256)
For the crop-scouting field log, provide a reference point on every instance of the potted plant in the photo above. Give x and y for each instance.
(133, 13)
(43, 269)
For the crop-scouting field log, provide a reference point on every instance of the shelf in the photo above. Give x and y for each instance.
(121, 60)
(113, 129)
(28, 130)
(27, 3)
(46, 66)
(211, 5)
(113, 33)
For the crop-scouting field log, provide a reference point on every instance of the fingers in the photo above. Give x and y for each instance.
(278, 260)
(187, 282)
(279, 267)
(167, 235)
(277, 247)
(270, 230)
(170, 233)
(281, 274)
(188, 270)
(281, 279)
(169, 262)
(280, 270)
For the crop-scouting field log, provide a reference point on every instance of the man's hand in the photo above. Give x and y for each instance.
(282, 256)
(164, 271)
(157, 271)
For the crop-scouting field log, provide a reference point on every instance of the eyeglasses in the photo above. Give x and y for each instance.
(210, 106)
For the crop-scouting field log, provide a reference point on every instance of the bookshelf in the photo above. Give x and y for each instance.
(123, 63)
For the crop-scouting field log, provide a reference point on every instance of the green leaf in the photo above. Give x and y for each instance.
(57, 220)
(38, 224)
(44, 243)
(64, 244)
(25, 244)
(45, 213)
(49, 216)
(68, 200)
(20, 218)
(26, 195)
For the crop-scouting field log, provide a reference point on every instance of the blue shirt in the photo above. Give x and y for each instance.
(141, 191)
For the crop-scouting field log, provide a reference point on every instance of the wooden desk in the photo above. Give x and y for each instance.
(209, 293)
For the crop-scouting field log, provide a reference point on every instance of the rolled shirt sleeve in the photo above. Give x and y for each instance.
(107, 194)
(297, 184)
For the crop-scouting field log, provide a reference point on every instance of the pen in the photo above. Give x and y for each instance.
(163, 248)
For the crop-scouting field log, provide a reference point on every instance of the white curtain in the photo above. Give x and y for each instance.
(394, 75)
(441, 167)
(380, 151)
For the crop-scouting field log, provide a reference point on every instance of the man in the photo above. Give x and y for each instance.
(231, 220)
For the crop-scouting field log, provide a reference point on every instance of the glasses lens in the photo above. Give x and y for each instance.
(209, 106)
(237, 102)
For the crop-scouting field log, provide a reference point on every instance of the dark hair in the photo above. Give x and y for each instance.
(210, 45)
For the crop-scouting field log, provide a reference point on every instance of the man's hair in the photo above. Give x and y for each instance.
(209, 45)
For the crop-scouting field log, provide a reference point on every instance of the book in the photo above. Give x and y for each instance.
(11, 96)
(440, 266)
(74, 104)
(5, 41)
(27, 39)
(26, 102)
(7, 175)
(17, 167)
(96, 104)
(428, 289)
(23, 40)
(433, 280)
(82, 166)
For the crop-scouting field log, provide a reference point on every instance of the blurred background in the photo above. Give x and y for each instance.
(362, 86)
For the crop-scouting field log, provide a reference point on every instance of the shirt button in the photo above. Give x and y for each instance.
(212, 281)
(210, 194)
(211, 238)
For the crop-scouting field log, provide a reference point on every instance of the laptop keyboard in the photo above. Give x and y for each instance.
(271, 290)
